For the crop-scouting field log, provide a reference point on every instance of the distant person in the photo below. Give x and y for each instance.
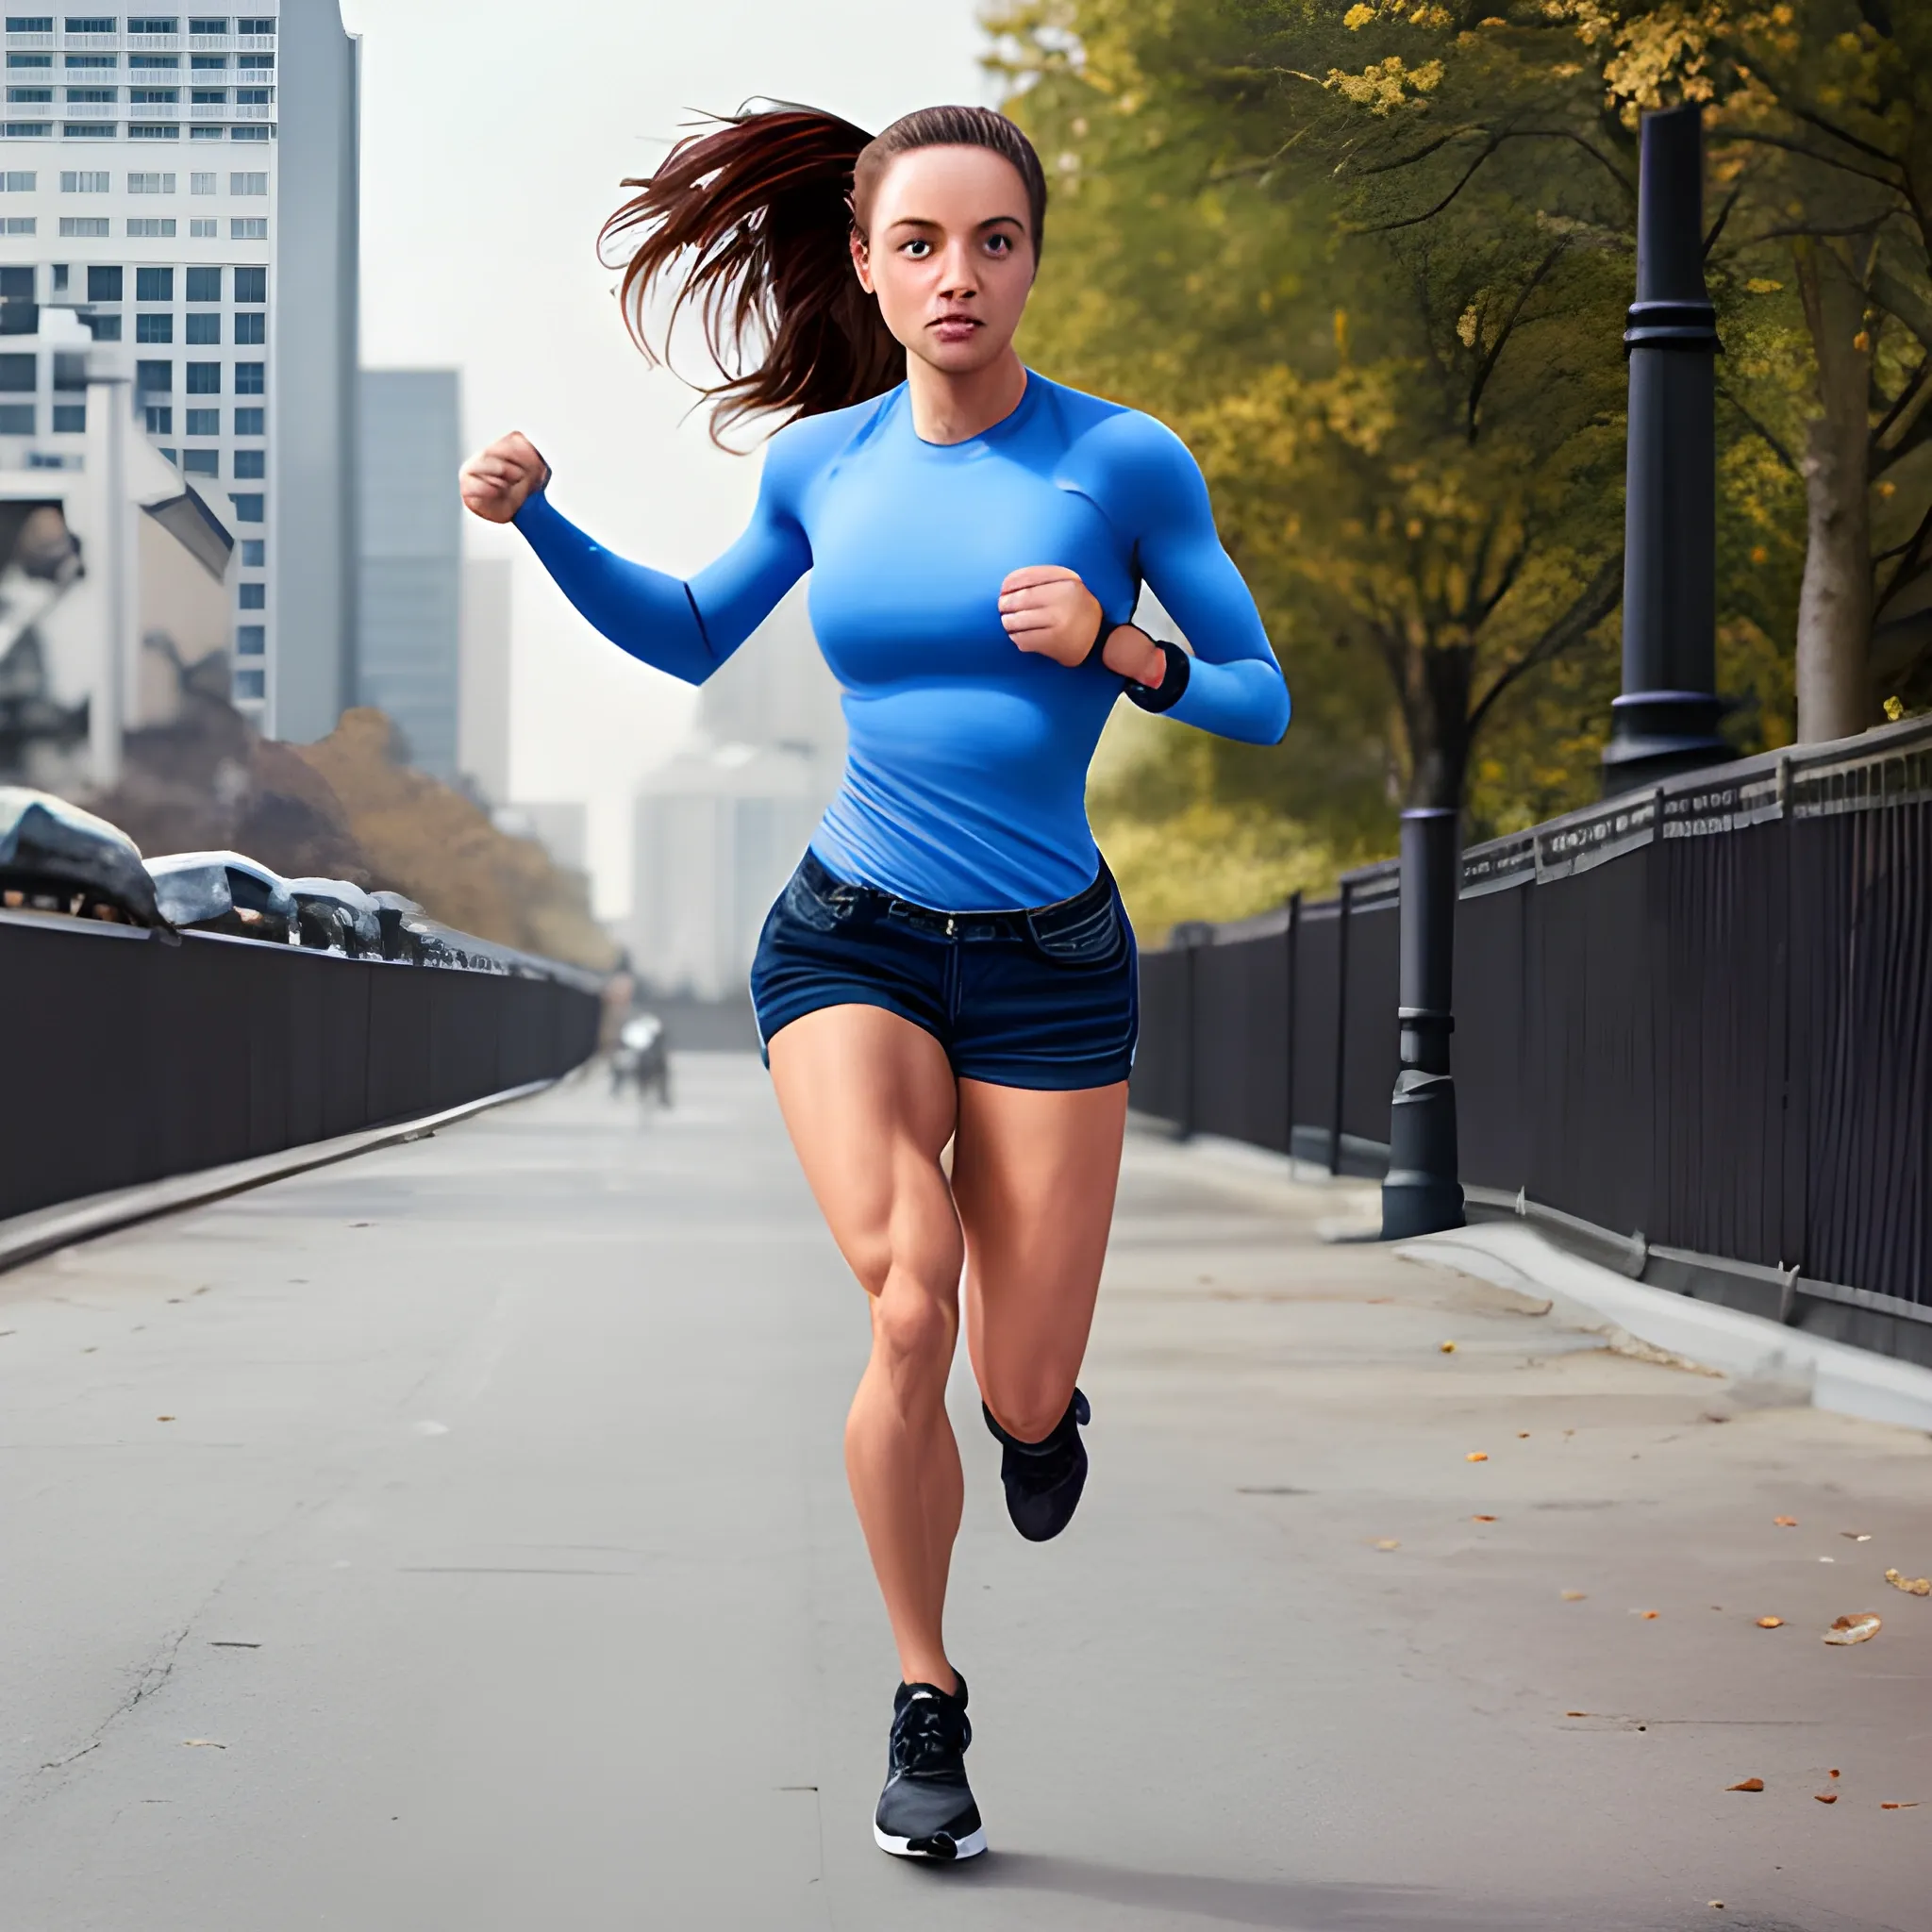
(950, 961)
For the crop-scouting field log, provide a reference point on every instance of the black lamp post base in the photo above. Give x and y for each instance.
(1657, 734)
(1420, 1193)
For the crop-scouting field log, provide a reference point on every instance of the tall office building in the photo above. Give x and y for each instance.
(409, 653)
(187, 184)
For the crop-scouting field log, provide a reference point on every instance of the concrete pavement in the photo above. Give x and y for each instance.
(456, 1538)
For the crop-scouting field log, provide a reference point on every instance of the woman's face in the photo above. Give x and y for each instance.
(950, 255)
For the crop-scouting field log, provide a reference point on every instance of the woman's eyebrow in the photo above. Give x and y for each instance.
(926, 222)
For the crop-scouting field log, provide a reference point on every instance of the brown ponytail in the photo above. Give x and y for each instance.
(760, 210)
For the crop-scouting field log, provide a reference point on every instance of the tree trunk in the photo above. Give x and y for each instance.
(1434, 712)
(1834, 601)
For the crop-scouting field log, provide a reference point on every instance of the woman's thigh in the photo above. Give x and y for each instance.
(870, 1102)
(1034, 1175)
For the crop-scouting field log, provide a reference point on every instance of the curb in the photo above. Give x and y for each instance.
(1787, 1365)
(27, 1237)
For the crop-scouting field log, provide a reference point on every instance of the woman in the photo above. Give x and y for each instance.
(950, 962)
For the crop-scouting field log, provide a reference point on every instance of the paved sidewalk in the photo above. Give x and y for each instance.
(493, 1569)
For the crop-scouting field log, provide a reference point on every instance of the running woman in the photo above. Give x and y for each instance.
(951, 961)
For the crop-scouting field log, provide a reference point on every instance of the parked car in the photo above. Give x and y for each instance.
(337, 916)
(643, 1058)
(223, 891)
(55, 857)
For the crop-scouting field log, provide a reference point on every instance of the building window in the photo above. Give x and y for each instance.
(251, 640)
(208, 63)
(88, 130)
(92, 24)
(250, 378)
(70, 418)
(29, 224)
(206, 23)
(256, 63)
(152, 64)
(247, 509)
(85, 227)
(251, 97)
(27, 130)
(154, 285)
(150, 227)
(248, 228)
(248, 134)
(202, 230)
(203, 378)
(160, 130)
(209, 96)
(204, 285)
(160, 422)
(103, 284)
(29, 23)
(251, 423)
(17, 183)
(17, 419)
(254, 554)
(250, 685)
(105, 328)
(251, 331)
(204, 421)
(154, 328)
(256, 25)
(251, 465)
(148, 24)
(20, 375)
(202, 462)
(149, 97)
(204, 331)
(251, 286)
(254, 597)
(155, 378)
(205, 134)
(248, 183)
(30, 64)
(30, 96)
(85, 181)
(202, 184)
(60, 278)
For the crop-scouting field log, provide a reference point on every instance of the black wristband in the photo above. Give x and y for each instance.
(1100, 637)
(1165, 695)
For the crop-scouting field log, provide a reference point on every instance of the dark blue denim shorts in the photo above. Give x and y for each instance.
(1047, 997)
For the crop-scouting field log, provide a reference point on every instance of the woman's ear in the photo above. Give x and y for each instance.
(861, 262)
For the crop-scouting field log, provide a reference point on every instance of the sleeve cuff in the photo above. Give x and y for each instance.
(1168, 693)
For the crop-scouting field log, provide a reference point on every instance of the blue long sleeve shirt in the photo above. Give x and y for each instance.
(966, 769)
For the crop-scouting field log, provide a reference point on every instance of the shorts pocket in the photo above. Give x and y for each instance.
(822, 910)
(1094, 939)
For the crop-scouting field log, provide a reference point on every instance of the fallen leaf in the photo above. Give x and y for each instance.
(1447, 1347)
(1825, 1797)
(1573, 1596)
(1912, 1586)
(202, 1744)
(1831, 1774)
(1522, 1435)
(1386, 1542)
(1749, 1784)
(1477, 1455)
(1770, 1623)
(1786, 1522)
(1895, 1805)
(1577, 1713)
(165, 1418)
(1856, 1536)
(1482, 1519)
(1859, 1629)
(1648, 1616)
(1717, 1904)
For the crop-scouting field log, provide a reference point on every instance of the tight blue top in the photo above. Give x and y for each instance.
(966, 772)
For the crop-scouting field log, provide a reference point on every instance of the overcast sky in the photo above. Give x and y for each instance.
(495, 133)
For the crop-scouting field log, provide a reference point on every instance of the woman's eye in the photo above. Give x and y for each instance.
(919, 250)
(1000, 244)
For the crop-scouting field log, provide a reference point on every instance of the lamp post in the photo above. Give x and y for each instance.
(1666, 720)
(1421, 1193)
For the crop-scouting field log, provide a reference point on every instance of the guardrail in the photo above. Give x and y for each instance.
(133, 1054)
(1693, 1027)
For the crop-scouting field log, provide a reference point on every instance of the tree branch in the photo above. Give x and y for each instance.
(1486, 368)
(1757, 428)
(1811, 154)
(1595, 603)
(1906, 553)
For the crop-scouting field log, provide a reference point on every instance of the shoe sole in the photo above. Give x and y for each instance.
(968, 1847)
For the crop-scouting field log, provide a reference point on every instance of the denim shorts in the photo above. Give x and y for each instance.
(1046, 997)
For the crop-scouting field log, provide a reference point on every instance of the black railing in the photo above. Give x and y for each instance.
(1698, 1020)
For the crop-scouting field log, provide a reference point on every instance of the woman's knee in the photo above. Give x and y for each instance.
(915, 1325)
(1028, 1407)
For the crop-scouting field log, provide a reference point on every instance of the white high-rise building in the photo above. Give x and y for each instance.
(187, 184)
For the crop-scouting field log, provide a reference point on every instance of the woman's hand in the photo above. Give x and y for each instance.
(495, 483)
(1045, 608)
(1130, 652)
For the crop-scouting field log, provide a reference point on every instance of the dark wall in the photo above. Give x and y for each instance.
(128, 1060)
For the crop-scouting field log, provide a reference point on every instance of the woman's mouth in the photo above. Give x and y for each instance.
(953, 328)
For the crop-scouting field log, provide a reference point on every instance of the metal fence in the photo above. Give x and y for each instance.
(129, 1058)
(1695, 1021)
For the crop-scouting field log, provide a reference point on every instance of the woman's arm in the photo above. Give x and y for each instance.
(1235, 688)
(688, 629)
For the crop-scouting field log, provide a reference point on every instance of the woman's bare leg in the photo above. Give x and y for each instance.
(870, 1102)
(1034, 1176)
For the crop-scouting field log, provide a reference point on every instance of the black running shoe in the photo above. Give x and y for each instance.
(927, 1809)
(1043, 1479)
